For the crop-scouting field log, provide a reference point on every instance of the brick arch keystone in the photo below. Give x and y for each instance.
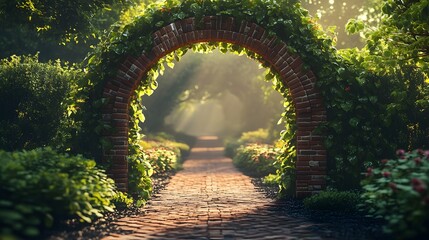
(307, 99)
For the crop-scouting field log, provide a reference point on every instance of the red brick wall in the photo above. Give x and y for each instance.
(310, 111)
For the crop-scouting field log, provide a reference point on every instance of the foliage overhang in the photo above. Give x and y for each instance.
(284, 19)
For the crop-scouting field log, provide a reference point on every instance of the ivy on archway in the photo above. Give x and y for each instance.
(354, 131)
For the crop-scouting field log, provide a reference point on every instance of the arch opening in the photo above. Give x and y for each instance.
(309, 109)
(214, 93)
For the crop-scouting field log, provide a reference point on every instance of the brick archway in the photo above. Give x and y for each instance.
(310, 111)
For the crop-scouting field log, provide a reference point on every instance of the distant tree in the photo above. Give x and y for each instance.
(30, 26)
(333, 16)
(199, 78)
(397, 47)
(400, 39)
(61, 18)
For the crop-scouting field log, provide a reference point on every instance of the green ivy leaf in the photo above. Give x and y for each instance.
(354, 122)
(269, 76)
(354, 26)
(346, 106)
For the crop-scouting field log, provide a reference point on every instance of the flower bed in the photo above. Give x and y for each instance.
(398, 192)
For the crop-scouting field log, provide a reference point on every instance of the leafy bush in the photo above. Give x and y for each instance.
(260, 136)
(271, 179)
(139, 172)
(257, 159)
(41, 187)
(398, 192)
(180, 149)
(231, 147)
(161, 159)
(122, 201)
(36, 100)
(333, 200)
(150, 157)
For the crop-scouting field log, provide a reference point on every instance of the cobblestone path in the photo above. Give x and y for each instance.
(210, 199)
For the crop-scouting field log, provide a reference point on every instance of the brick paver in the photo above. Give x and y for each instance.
(211, 199)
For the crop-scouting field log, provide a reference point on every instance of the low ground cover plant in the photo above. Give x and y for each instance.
(40, 188)
(333, 200)
(164, 153)
(162, 159)
(397, 191)
(257, 159)
(140, 172)
(179, 149)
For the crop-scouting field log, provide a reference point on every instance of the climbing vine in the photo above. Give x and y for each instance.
(358, 130)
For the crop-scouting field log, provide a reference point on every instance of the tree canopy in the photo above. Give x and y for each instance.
(401, 39)
(56, 28)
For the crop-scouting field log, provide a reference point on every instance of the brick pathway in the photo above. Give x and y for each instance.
(210, 199)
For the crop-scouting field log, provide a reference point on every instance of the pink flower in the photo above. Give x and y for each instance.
(384, 161)
(418, 185)
(426, 154)
(387, 174)
(420, 189)
(400, 153)
(416, 181)
(418, 160)
(347, 88)
(420, 152)
(369, 172)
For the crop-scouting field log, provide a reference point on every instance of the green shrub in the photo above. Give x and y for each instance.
(122, 200)
(36, 101)
(333, 200)
(181, 149)
(160, 137)
(139, 172)
(155, 156)
(41, 186)
(258, 136)
(256, 159)
(398, 192)
(231, 147)
(161, 159)
(286, 160)
(271, 179)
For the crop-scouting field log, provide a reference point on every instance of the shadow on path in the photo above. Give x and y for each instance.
(211, 199)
